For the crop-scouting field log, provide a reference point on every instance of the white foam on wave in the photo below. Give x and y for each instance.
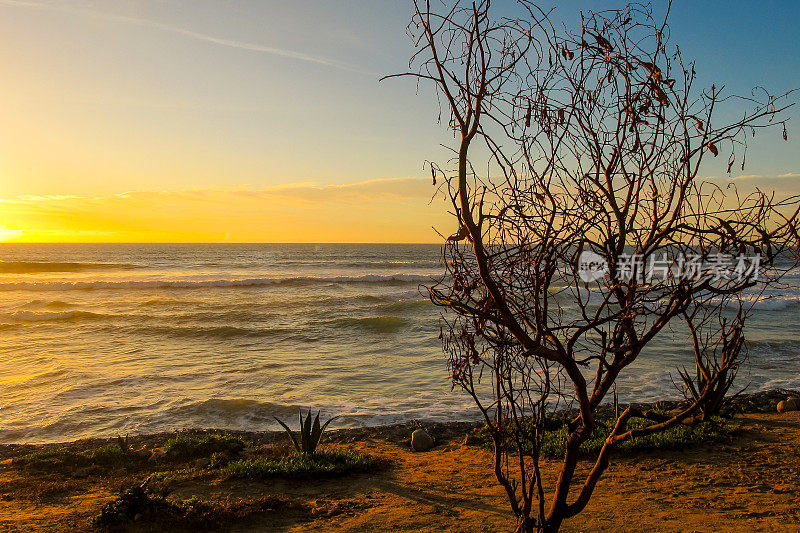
(768, 299)
(45, 304)
(244, 414)
(776, 303)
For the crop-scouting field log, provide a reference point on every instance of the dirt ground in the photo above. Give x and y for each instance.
(749, 484)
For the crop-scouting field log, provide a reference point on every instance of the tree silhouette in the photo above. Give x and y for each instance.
(586, 230)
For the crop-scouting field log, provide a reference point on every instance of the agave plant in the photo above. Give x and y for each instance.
(310, 432)
(715, 371)
(697, 385)
(124, 444)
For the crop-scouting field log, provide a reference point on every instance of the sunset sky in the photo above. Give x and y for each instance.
(264, 121)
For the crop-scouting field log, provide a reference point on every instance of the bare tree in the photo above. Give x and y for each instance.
(586, 231)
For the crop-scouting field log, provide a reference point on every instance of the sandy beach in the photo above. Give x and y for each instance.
(748, 482)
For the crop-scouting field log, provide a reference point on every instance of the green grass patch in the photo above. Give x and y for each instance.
(110, 456)
(675, 438)
(320, 464)
(185, 447)
(52, 459)
(678, 437)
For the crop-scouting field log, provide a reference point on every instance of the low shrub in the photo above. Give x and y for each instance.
(142, 503)
(186, 447)
(674, 438)
(677, 437)
(147, 505)
(321, 464)
(132, 504)
(64, 460)
(51, 459)
(112, 456)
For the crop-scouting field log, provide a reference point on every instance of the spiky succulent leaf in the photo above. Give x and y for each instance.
(291, 435)
(325, 425)
(316, 433)
(308, 446)
(688, 382)
(123, 443)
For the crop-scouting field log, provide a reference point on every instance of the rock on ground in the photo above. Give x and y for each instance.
(792, 404)
(421, 441)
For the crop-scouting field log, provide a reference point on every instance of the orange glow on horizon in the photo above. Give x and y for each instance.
(383, 210)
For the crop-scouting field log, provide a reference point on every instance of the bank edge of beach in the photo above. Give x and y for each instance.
(750, 481)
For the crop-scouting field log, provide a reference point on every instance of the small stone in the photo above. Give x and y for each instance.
(792, 404)
(421, 441)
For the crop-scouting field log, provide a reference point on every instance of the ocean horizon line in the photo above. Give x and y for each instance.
(243, 243)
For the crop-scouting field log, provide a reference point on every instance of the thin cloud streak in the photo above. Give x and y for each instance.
(396, 187)
(788, 175)
(230, 43)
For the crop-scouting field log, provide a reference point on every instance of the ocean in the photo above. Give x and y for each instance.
(100, 340)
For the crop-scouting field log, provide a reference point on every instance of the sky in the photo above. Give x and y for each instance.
(265, 121)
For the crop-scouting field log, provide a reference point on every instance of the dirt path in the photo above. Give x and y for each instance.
(751, 484)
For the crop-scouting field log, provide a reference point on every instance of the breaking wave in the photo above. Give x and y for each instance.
(397, 279)
(40, 267)
(379, 324)
(46, 316)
